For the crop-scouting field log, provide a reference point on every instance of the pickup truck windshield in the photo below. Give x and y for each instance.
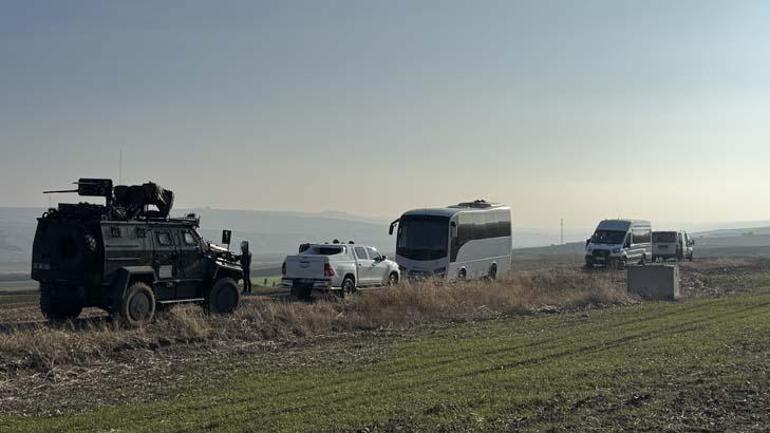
(423, 237)
(610, 237)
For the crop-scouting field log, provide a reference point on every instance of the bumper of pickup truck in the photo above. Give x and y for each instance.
(315, 284)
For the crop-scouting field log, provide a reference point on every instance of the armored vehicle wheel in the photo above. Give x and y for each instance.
(138, 305)
(55, 311)
(224, 296)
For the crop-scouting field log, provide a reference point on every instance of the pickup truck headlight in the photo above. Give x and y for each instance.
(617, 250)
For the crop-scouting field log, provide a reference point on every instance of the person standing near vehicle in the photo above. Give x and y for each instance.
(246, 267)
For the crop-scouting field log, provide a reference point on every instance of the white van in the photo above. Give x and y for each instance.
(672, 245)
(619, 242)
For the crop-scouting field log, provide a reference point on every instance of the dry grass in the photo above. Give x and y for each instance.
(44, 348)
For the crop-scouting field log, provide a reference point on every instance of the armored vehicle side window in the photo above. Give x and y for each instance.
(164, 238)
(189, 239)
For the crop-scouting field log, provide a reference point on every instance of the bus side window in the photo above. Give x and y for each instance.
(506, 221)
(479, 225)
(498, 225)
(464, 228)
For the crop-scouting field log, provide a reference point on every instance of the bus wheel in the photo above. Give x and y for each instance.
(462, 275)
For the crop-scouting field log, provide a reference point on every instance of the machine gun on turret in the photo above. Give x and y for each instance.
(126, 202)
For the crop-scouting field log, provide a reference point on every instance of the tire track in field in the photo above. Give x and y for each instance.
(418, 371)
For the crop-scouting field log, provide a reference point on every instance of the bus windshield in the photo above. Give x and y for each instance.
(422, 237)
(612, 237)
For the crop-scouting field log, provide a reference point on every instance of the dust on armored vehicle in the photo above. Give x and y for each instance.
(128, 256)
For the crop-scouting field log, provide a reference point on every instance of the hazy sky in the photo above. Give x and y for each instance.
(580, 109)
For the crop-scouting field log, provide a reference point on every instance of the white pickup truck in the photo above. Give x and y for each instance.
(341, 268)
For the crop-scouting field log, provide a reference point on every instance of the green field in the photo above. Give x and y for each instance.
(701, 364)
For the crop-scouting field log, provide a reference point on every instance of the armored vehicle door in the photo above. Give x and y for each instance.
(192, 265)
(165, 261)
(124, 245)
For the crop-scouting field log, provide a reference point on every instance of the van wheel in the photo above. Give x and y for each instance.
(643, 260)
(393, 279)
(53, 311)
(224, 297)
(138, 305)
(348, 286)
(493, 273)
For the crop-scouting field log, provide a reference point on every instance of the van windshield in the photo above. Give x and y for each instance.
(423, 237)
(611, 237)
(664, 237)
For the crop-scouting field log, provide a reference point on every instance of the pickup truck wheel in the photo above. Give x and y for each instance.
(348, 287)
(302, 293)
(393, 279)
(138, 305)
(224, 296)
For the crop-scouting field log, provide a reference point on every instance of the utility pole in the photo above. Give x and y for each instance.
(562, 232)
(120, 168)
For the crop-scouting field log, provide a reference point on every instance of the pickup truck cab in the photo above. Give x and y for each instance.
(339, 268)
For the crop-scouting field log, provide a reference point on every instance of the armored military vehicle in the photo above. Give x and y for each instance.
(128, 256)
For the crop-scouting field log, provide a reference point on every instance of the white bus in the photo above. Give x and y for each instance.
(465, 241)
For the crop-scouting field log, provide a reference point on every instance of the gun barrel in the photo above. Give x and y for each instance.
(60, 191)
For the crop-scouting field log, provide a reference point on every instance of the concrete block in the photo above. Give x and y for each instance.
(655, 282)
